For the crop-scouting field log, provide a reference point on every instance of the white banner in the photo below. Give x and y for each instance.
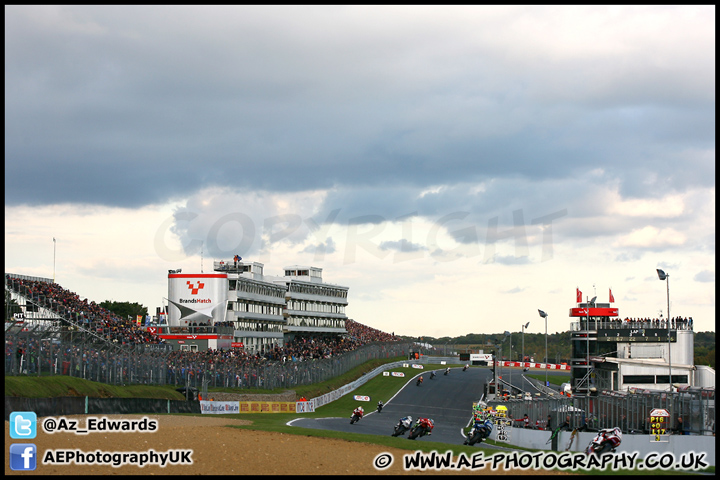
(305, 407)
(417, 366)
(481, 357)
(207, 406)
(397, 374)
(362, 398)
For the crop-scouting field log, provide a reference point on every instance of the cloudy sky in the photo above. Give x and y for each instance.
(458, 168)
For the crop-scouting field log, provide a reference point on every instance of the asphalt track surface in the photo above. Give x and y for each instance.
(447, 399)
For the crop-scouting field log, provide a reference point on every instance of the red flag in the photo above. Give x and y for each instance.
(612, 299)
(578, 294)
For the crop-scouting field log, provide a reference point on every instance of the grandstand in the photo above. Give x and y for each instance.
(62, 314)
(57, 332)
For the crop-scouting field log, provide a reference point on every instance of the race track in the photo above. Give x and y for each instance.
(447, 399)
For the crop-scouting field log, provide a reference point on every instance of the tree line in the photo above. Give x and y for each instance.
(558, 345)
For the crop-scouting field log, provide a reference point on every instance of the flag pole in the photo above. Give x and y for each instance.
(53, 259)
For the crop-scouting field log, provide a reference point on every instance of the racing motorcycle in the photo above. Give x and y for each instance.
(480, 431)
(403, 426)
(419, 381)
(607, 440)
(447, 370)
(422, 427)
(432, 375)
(466, 367)
(357, 415)
(379, 407)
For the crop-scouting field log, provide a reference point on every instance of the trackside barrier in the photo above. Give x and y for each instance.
(220, 407)
(317, 402)
(55, 406)
(629, 411)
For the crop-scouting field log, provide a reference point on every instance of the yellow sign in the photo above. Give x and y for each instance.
(267, 407)
(659, 420)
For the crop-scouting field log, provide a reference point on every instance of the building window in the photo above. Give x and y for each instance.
(675, 379)
(639, 378)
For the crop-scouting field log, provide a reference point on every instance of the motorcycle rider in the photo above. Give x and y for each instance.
(406, 422)
(481, 424)
(432, 374)
(419, 380)
(427, 423)
(605, 435)
(358, 411)
(380, 406)
(447, 370)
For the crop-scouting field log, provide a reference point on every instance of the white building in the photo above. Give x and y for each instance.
(613, 354)
(259, 310)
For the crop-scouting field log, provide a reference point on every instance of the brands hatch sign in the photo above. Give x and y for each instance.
(196, 298)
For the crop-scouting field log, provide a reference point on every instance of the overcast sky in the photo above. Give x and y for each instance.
(458, 168)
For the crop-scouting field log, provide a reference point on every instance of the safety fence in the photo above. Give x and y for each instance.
(57, 406)
(30, 353)
(629, 411)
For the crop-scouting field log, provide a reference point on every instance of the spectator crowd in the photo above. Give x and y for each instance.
(119, 331)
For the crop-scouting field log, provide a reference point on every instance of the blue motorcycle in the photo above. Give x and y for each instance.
(480, 431)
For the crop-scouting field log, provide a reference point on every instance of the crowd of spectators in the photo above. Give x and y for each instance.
(679, 323)
(89, 315)
(112, 328)
(365, 334)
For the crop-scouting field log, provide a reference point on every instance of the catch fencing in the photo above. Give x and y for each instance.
(629, 411)
(31, 353)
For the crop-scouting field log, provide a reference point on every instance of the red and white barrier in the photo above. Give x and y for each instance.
(541, 366)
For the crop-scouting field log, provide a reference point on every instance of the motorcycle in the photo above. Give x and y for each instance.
(402, 426)
(606, 441)
(379, 407)
(422, 427)
(432, 375)
(466, 367)
(480, 431)
(356, 416)
(419, 381)
(447, 370)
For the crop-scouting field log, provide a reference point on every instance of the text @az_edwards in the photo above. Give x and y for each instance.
(99, 424)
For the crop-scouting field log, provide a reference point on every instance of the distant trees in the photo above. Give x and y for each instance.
(559, 348)
(125, 309)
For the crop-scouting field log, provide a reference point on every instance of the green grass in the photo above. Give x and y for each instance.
(312, 391)
(64, 386)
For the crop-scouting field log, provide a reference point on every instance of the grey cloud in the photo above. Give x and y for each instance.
(509, 260)
(322, 248)
(629, 256)
(402, 245)
(130, 106)
(705, 276)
